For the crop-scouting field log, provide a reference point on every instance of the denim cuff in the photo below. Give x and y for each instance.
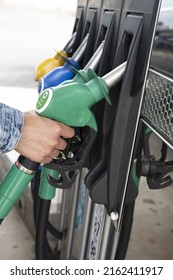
(11, 123)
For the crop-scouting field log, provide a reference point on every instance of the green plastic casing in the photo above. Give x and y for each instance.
(46, 191)
(12, 188)
(71, 103)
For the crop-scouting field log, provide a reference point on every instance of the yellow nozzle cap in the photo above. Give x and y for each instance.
(49, 64)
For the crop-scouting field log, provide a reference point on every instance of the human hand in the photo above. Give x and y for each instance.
(41, 138)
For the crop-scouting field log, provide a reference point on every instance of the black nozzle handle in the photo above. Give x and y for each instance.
(27, 164)
(81, 49)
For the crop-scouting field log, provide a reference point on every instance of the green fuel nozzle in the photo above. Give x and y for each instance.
(69, 103)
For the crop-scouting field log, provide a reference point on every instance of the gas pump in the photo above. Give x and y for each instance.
(109, 190)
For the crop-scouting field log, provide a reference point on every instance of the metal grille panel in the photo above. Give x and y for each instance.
(157, 106)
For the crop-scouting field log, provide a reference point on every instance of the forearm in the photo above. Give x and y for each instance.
(11, 123)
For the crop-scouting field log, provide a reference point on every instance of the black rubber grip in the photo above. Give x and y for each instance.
(27, 163)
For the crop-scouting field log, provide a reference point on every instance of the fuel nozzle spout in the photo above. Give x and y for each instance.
(114, 76)
(81, 49)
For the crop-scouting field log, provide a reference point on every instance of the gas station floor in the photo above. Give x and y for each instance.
(22, 47)
(16, 241)
(151, 237)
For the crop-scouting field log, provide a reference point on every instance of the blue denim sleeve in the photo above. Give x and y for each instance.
(11, 123)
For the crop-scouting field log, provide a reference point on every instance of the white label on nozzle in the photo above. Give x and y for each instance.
(44, 100)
